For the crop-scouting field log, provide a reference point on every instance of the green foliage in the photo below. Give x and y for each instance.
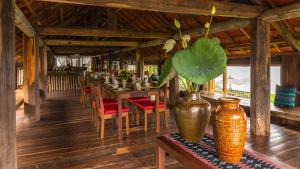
(199, 63)
(167, 73)
(123, 75)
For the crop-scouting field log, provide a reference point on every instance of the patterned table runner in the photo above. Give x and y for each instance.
(206, 152)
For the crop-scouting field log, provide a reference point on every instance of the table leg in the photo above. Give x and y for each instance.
(120, 118)
(157, 112)
(160, 158)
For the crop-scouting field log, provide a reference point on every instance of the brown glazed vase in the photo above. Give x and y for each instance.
(192, 115)
(230, 127)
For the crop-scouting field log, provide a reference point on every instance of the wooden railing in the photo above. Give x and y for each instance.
(63, 81)
(238, 93)
(19, 77)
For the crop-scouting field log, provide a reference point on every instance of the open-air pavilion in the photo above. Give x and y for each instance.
(47, 46)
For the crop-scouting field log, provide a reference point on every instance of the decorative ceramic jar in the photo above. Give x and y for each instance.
(230, 128)
(192, 115)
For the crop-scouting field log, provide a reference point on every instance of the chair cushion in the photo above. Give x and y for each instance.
(87, 90)
(285, 96)
(113, 109)
(109, 101)
(134, 99)
(147, 105)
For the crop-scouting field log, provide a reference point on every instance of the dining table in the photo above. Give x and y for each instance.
(122, 93)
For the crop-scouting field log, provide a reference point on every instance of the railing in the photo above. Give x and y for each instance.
(238, 93)
(63, 81)
(19, 77)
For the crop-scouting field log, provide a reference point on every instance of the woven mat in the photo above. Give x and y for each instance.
(206, 152)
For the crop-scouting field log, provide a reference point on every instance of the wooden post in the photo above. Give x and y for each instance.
(260, 78)
(31, 79)
(112, 18)
(43, 72)
(139, 63)
(174, 90)
(225, 81)
(7, 86)
(122, 66)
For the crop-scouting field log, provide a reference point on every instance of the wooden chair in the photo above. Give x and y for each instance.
(94, 99)
(85, 91)
(148, 107)
(108, 111)
(133, 108)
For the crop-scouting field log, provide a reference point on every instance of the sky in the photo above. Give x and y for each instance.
(241, 75)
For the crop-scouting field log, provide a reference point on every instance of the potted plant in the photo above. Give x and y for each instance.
(195, 64)
(122, 77)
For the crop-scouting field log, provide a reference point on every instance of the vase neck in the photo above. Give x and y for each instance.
(229, 103)
(194, 96)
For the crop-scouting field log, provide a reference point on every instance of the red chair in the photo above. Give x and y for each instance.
(108, 111)
(148, 107)
(94, 99)
(85, 91)
(131, 101)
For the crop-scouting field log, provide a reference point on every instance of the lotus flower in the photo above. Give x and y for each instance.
(169, 45)
(185, 39)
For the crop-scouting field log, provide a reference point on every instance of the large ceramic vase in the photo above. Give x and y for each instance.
(229, 126)
(192, 115)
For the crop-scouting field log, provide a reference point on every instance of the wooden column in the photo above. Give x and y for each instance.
(174, 90)
(112, 18)
(225, 81)
(122, 66)
(31, 79)
(43, 72)
(7, 86)
(260, 78)
(139, 63)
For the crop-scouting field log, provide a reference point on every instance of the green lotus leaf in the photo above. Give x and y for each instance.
(201, 62)
(167, 73)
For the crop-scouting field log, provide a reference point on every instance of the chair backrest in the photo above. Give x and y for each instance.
(99, 100)
(93, 92)
(83, 82)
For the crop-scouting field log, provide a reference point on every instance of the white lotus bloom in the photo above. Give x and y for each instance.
(169, 45)
(186, 37)
(184, 44)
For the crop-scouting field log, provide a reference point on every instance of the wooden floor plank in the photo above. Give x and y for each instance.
(66, 138)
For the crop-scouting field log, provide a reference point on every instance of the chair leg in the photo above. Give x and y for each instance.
(137, 113)
(127, 123)
(166, 112)
(146, 122)
(102, 128)
(96, 123)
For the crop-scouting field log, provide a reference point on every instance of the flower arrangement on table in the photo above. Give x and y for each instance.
(123, 76)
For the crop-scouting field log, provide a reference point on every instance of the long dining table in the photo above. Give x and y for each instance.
(120, 94)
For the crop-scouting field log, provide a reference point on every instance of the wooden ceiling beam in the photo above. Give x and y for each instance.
(62, 42)
(283, 27)
(198, 32)
(226, 9)
(22, 23)
(97, 32)
(282, 13)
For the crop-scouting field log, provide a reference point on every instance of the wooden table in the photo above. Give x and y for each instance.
(123, 94)
(191, 160)
(165, 146)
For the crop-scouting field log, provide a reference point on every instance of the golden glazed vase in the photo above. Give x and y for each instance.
(192, 115)
(230, 127)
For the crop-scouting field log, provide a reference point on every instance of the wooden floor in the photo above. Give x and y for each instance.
(66, 138)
